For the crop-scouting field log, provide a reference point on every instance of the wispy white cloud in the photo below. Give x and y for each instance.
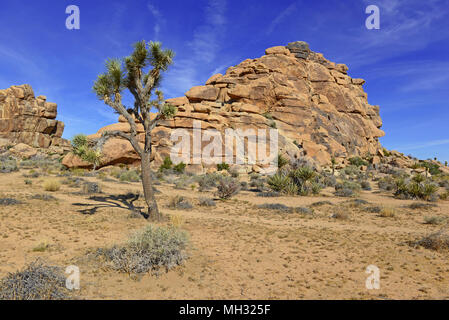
(281, 17)
(203, 50)
(423, 145)
(159, 19)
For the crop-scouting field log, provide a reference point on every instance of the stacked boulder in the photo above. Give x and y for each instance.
(29, 120)
(319, 110)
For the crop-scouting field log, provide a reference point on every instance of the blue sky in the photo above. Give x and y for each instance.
(405, 63)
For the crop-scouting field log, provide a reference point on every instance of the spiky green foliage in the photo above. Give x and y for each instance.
(83, 148)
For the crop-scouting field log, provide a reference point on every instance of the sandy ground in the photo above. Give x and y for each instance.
(238, 251)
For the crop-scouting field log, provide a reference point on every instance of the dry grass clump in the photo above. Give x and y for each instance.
(435, 241)
(434, 220)
(340, 214)
(52, 185)
(387, 212)
(148, 250)
(36, 281)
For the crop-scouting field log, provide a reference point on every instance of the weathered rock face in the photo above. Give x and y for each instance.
(319, 110)
(29, 120)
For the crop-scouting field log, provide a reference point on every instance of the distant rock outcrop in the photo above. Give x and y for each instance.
(319, 110)
(29, 120)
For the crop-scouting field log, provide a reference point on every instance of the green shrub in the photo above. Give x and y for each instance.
(149, 250)
(278, 182)
(282, 161)
(180, 167)
(358, 162)
(431, 167)
(129, 176)
(166, 165)
(8, 164)
(208, 181)
(222, 166)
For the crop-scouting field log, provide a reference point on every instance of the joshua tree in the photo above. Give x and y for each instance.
(140, 73)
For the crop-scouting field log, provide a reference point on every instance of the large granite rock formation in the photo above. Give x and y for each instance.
(319, 110)
(29, 120)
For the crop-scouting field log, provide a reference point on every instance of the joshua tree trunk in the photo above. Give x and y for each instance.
(148, 191)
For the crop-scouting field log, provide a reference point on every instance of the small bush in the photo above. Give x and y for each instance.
(9, 202)
(91, 187)
(274, 206)
(435, 241)
(44, 197)
(304, 210)
(223, 167)
(421, 206)
(180, 167)
(321, 203)
(129, 176)
(282, 161)
(268, 194)
(208, 181)
(179, 203)
(366, 185)
(357, 161)
(434, 220)
(36, 281)
(386, 183)
(340, 215)
(8, 164)
(207, 202)
(166, 165)
(149, 250)
(28, 182)
(278, 182)
(52, 185)
(227, 187)
(344, 192)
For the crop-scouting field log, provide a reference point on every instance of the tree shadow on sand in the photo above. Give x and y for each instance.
(122, 201)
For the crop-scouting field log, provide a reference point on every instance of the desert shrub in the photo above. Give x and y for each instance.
(373, 209)
(179, 202)
(315, 188)
(149, 250)
(73, 182)
(43, 197)
(321, 203)
(291, 189)
(340, 214)
(434, 220)
(9, 202)
(208, 181)
(234, 172)
(435, 241)
(28, 182)
(304, 210)
(180, 167)
(278, 182)
(91, 187)
(36, 281)
(32, 174)
(344, 192)
(129, 176)
(268, 194)
(432, 168)
(357, 161)
(421, 206)
(166, 165)
(329, 180)
(207, 202)
(257, 184)
(275, 207)
(386, 183)
(52, 185)
(223, 167)
(8, 164)
(414, 190)
(303, 178)
(418, 178)
(366, 185)
(282, 161)
(351, 170)
(444, 195)
(227, 187)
